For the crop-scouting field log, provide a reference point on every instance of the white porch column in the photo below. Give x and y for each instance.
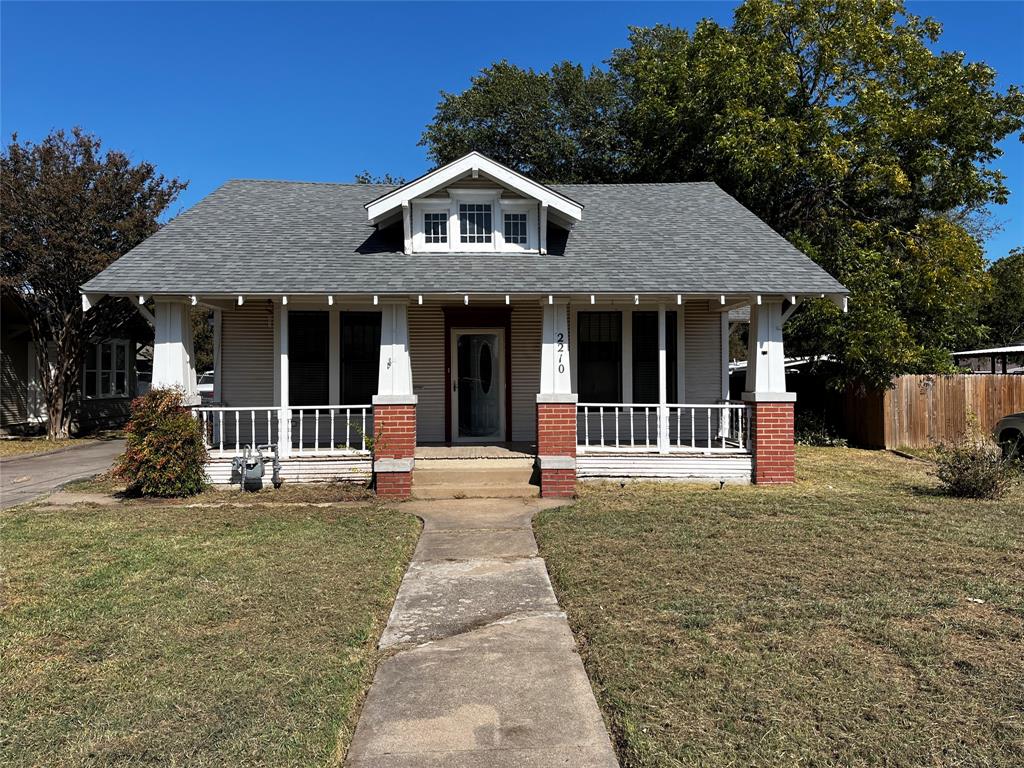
(556, 405)
(766, 368)
(284, 418)
(394, 407)
(555, 376)
(334, 358)
(771, 406)
(663, 434)
(173, 357)
(394, 378)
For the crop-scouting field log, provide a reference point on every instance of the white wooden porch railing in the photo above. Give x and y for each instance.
(307, 430)
(672, 428)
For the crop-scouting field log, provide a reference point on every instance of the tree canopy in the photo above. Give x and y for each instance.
(834, 122)
(1004, 311)
(68, 209)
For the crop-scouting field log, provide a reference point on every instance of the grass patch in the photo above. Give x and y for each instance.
(135, 635)
(854, 618)
(12, 447)
(288, 493)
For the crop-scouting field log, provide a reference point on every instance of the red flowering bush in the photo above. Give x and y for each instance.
(165, 455)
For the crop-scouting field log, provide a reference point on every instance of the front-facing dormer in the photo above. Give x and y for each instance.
(474, 205)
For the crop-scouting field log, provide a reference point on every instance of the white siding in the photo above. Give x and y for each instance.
(218, 471)
(702, 363)
(429, 369)
(429, 378)
(729, 468)
(247, 355)
(527, 321)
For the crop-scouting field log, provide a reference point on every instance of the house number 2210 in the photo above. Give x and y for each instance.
(560, 339)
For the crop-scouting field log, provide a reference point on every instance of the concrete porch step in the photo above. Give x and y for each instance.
(473, 478)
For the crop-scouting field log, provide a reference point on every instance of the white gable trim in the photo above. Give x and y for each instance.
(474, 162)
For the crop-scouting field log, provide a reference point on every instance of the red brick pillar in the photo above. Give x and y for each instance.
(772, 438)
(556, 444)
(394, 444)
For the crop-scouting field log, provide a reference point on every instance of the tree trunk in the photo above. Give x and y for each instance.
(58, 377)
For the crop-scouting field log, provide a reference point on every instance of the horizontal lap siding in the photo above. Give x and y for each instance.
(702, 365)
(247, 355)
(702, 368)
(429, 378)
(218, 471)
(527, 321)
(737, 468)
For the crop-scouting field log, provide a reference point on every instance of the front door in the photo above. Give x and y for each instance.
(478, 385)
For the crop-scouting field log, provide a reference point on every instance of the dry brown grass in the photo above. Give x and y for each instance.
(165, 635)
(855, 618)
(13, 447)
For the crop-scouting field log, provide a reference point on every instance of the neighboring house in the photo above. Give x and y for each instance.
(1007, 359)
(474, 305)
(108, 376)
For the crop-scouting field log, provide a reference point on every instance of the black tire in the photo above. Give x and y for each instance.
(1012, 442)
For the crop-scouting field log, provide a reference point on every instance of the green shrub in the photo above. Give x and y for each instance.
(975, 467)
(812, 429)
(165, 455)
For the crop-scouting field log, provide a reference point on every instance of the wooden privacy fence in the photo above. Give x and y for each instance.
(919, 411)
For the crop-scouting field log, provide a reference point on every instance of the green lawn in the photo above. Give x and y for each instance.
(855, 618)
(164, 635)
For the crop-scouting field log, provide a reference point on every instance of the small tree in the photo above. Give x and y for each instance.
(165, 454)
(67, 210)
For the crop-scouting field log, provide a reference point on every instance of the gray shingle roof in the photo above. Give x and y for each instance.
(293, 237)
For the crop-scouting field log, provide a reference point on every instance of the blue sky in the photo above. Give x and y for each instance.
(321, 91)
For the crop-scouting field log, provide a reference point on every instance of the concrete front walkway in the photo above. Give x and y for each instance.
(485, 671)
(24, 478)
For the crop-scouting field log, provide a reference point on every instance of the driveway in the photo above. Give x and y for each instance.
(26, 478)
(483, 668)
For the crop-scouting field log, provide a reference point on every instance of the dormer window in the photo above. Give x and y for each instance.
(475, 223)
(515, 229)
(435, 227)
(487, 205)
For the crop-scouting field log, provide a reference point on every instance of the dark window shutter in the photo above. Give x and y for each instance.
(599, 357)
(308, 358)
(645, 357)
(360, 356)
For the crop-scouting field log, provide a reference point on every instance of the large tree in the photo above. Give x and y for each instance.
(1004, 311)
(834, 122)
(557, 126)
(68, 208)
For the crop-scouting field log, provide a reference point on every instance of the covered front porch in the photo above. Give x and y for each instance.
(594, 386)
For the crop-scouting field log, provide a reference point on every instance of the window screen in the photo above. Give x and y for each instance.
(645, 356)
(435, 227)
(475, 223)
(599, 357)
(308, 358)
(515, 228)
(360, 356)
(105, 372)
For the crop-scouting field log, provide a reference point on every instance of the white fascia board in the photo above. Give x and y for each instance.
(474, 161)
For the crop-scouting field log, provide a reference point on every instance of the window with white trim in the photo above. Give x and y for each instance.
(105, 372)
(475, 223)
(435, 227)
(516, 232)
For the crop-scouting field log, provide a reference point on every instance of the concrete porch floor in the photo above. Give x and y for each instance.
(474, 451)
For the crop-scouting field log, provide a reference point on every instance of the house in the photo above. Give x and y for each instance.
(357, 326)
(108, 377)
(1005, 359)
